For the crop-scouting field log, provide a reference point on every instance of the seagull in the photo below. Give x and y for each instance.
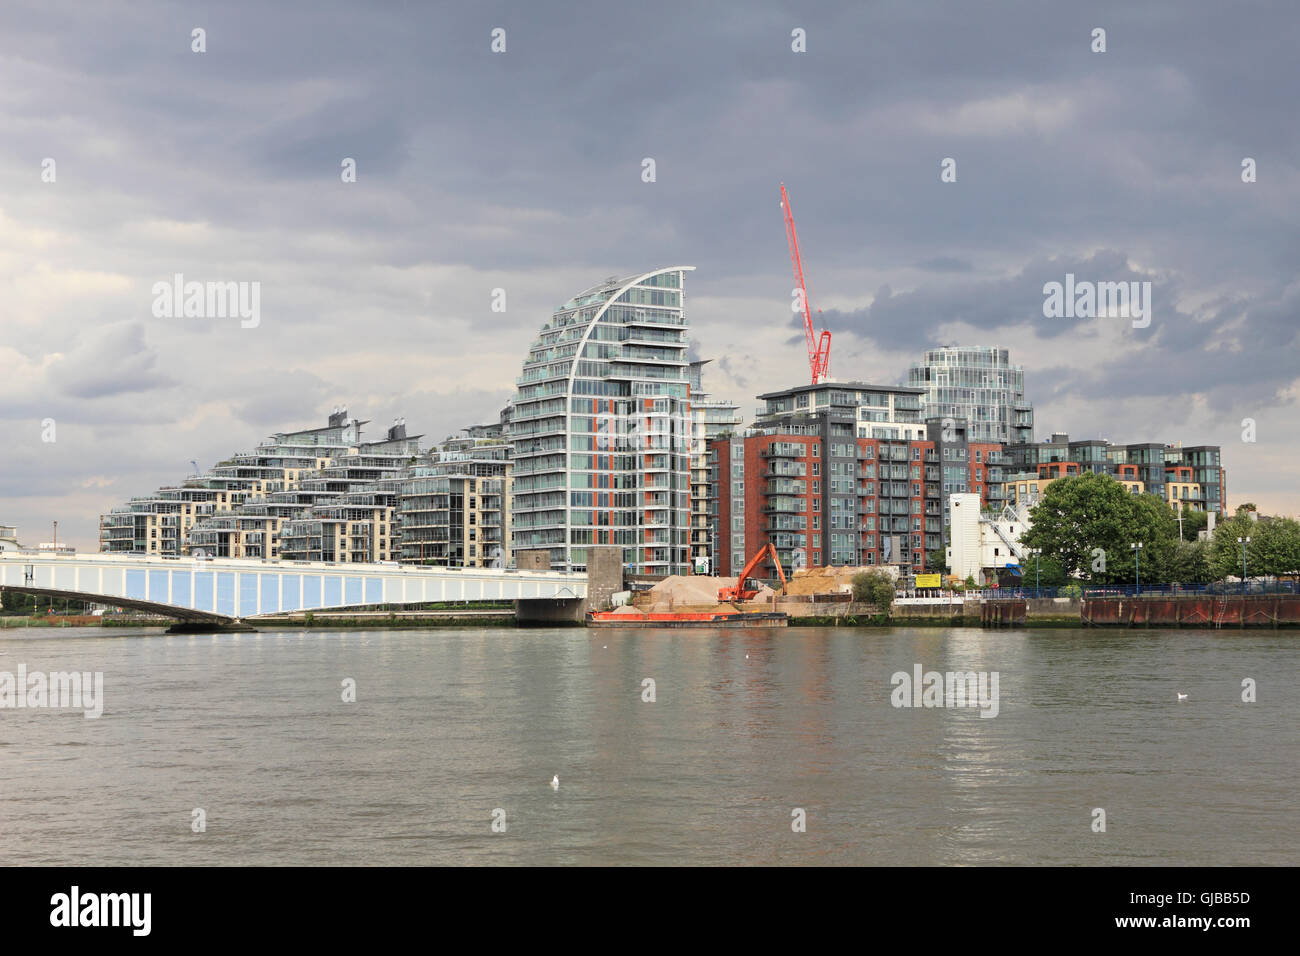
(1182, 696)
(555, 782)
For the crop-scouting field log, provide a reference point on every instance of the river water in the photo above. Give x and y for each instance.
(746, 728)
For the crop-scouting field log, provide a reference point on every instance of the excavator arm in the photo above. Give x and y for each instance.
(777, 561)
(739, 592)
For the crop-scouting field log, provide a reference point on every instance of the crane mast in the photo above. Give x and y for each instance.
(819, 346)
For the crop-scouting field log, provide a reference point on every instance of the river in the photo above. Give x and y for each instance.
(746, 730)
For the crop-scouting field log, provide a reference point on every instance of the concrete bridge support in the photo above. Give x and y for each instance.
(604, 579)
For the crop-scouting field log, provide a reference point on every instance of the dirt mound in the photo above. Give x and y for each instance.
(689, 589)
(824, 580)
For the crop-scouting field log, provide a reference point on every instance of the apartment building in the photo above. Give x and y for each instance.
(601, 424)
(1190, 476)
(838, 501)
(238, 507)
(978, 384)
(710, 418)
(454, 507)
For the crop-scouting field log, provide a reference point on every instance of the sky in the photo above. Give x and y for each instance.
(523, 170)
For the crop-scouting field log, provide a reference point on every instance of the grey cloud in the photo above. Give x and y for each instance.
(523, 170)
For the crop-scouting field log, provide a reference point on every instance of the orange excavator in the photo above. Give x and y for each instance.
(738, 592)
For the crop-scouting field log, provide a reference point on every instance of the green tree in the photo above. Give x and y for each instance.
(1050, 573)
(1276, 547)
(1193, 523)
(1225, 550)
(937, 561)
(1190, 563)
(1081, 514)
(873, 587)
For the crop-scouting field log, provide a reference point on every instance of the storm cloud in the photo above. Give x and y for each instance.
(522, 171)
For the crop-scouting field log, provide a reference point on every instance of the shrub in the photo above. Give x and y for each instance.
(873, 587)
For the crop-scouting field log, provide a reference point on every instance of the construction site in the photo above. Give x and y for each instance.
(814, 592)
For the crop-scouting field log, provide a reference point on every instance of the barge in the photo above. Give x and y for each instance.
(689, 619)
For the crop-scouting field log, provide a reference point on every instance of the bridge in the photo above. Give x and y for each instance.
(230, 591)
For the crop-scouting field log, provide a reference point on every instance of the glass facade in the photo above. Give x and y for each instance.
(600, 428)
(977, 384)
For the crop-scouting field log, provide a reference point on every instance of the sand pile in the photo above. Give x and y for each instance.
(689, 589)
(691, 593)
(826, 580)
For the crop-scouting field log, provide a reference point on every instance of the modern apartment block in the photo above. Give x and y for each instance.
(1193, 475)
(966, 466)
(887, 405)
(238, 507)
(841, 500)
(842, 473)
(454, 508)
(601, 424)
(978, 384)
(358, 525)
(710, 418)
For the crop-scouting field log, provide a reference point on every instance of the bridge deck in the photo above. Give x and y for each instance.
(231, 588)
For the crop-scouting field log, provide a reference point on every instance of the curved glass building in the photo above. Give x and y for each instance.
(600, 427)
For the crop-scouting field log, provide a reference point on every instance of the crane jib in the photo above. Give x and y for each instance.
(819, 346)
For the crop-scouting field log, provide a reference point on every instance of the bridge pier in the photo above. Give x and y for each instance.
(209, 627)
(604, 578)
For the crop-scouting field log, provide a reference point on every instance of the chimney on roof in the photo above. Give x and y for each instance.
(338, 417)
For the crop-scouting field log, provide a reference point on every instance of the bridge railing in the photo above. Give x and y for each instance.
(387, 567)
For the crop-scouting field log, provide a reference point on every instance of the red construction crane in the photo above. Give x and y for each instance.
(819, 346)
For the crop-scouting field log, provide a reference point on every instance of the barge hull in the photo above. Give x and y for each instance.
(688, 619)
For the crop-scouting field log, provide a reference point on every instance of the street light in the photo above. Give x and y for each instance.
(1035, 552)
(1137, 565)
(1243, 542)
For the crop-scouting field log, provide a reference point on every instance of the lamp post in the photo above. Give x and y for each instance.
(1137, 565)
(1243, 542)
(1035, 552)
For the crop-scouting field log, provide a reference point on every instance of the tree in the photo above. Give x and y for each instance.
(873, 587)
(1193, 523)
(1190, 563)
(1275, 547)
(1225, 550)
(1082, 517)
(1047, 574)
(937, 560)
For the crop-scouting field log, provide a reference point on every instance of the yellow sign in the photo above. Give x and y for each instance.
(928, 580)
